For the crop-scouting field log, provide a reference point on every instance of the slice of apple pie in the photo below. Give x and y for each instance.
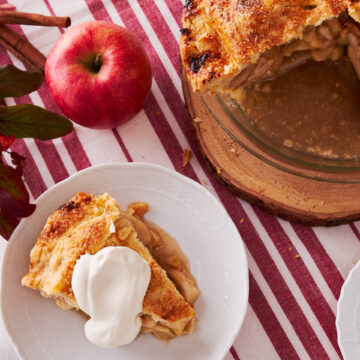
(87, 224)
(227, 44)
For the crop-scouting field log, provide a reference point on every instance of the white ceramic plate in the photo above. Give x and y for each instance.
(348, 316)
(40, 330)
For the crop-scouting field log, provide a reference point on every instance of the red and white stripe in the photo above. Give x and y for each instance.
(292, 299)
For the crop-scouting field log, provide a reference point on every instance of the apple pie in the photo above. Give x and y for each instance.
(229, 44)
(84, 225)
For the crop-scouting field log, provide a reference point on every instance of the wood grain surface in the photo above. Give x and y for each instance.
(292, 197)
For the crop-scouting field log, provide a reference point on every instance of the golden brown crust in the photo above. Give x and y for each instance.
(162, 300)
(81, 226)
(222, 37)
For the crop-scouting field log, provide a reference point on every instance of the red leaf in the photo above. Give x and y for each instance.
(14, 198)
(19, 161)
(11, 182)
(13, 207)
(7, 225)
(6, 141)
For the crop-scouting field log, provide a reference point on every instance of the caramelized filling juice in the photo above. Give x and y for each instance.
(313, 108)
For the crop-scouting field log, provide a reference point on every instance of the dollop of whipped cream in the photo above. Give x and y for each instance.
(110, 287)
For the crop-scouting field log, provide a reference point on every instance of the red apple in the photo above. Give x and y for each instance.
(99, 74)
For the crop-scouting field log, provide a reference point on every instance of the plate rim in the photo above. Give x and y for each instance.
(340, 310)
(167, 171)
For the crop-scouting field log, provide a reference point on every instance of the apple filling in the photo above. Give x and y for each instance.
(333, 39)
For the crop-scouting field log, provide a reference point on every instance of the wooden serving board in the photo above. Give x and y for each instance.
(310, 202)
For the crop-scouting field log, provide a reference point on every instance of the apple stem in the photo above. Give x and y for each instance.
(97, 63)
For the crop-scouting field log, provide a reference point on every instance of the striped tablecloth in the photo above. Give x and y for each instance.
(296, 272)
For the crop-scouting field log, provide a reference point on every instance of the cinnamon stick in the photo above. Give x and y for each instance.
(22, 58)
(17, 17)
(21, 48)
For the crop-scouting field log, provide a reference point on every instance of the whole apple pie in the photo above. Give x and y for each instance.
(84, 225)
(228, 44)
